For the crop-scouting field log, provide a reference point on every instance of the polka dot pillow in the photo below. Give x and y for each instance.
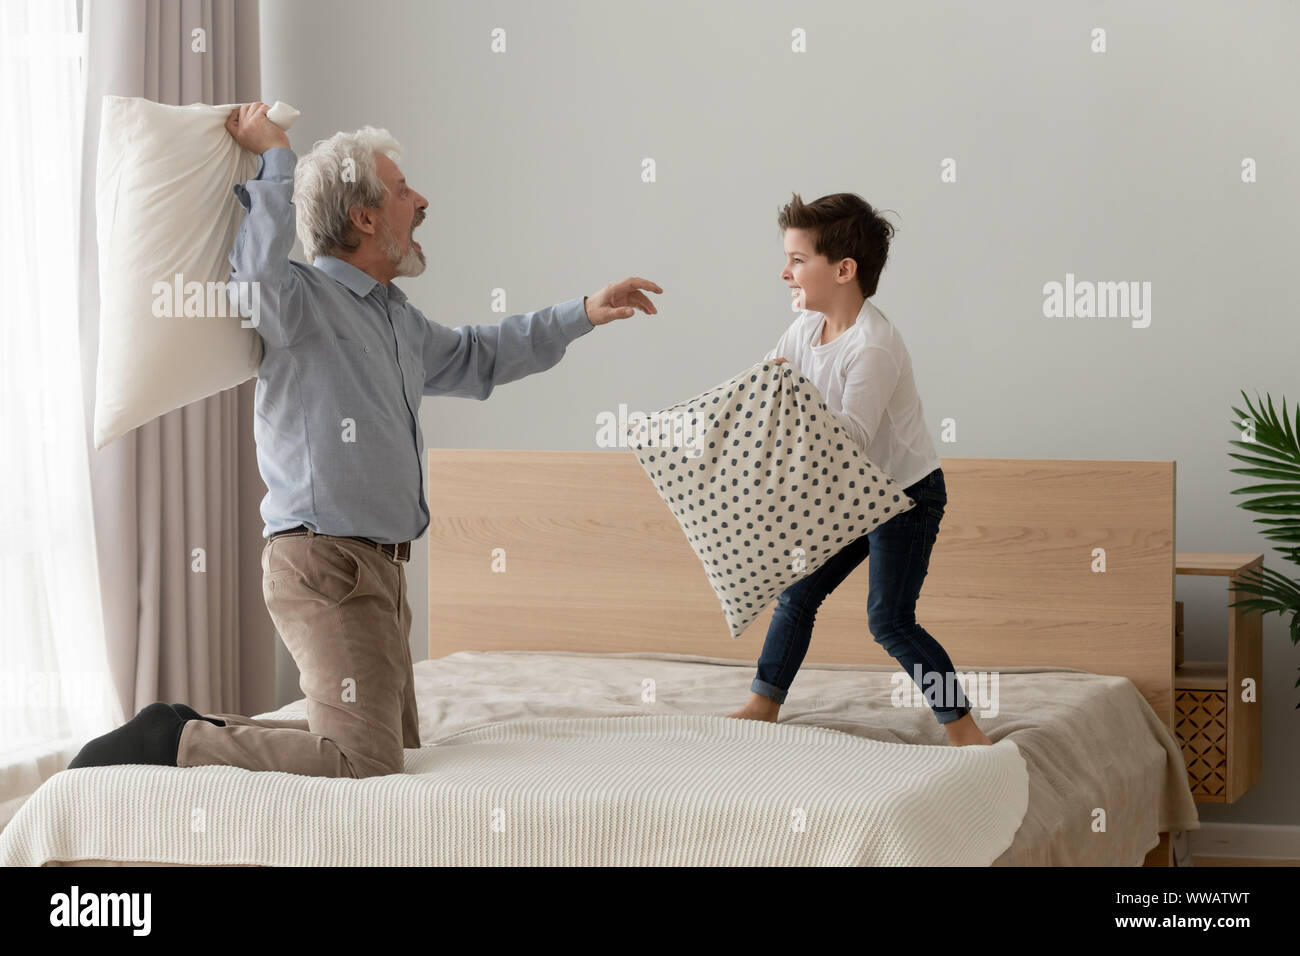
(766, 485)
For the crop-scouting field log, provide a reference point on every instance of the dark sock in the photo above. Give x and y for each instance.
(189, 713)
(152, 736)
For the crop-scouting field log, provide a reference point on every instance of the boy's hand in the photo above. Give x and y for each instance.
(620, 301)
(253, 131)
(778, 361)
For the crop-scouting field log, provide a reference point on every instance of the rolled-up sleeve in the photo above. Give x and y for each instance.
(265, 239)
(870, 379)
(469, 361)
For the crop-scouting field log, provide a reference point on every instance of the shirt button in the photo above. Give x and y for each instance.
(367, 348)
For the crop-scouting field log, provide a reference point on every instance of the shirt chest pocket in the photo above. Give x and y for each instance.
(355, 381)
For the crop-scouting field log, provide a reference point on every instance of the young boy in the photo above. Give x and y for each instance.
(835, 249)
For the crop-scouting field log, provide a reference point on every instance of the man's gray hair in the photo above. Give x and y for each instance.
(337, 174)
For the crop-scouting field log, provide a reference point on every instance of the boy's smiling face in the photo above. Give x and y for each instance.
(809, 275)
(812, 278)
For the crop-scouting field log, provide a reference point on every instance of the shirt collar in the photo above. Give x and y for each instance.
(353, 278)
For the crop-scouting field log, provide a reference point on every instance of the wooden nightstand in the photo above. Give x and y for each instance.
(1220, 734)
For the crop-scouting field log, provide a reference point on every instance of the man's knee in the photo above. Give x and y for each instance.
(380, 765)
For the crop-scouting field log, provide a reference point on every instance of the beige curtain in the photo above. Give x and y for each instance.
(188, 479)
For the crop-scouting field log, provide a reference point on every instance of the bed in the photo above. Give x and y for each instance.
(572, 706)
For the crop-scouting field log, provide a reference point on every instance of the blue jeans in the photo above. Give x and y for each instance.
(900, 557)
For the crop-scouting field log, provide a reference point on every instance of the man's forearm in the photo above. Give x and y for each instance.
(265, 239)
(471, 360)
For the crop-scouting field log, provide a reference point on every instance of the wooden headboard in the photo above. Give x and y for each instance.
(575, 550)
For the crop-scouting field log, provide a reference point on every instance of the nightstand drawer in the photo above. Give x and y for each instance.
(1217, 711)
(1201, 725)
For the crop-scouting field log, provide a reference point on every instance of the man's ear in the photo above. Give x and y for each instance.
(364, 221)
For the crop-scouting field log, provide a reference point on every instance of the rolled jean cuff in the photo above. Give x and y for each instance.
(770, 691)
(948, 716)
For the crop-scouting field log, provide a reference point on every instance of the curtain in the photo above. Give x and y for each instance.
(189, 478)
(58, 691)
(102, 611)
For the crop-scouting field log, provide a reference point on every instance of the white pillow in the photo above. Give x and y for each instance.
(764, 483)
(165, 207)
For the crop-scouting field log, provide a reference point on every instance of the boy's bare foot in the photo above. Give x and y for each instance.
(758, 707)
(964, 733)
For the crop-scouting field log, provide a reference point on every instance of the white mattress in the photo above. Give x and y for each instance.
(554, 758)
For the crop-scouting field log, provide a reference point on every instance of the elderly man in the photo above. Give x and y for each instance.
(347, 360)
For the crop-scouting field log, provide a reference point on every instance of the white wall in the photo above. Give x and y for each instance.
(1116, 166)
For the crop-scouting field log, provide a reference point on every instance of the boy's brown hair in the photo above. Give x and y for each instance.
(843, 226)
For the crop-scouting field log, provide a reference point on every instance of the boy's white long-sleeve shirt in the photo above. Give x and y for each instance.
(865, 377)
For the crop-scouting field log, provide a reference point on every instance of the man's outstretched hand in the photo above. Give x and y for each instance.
(253, 131)
(620, 301)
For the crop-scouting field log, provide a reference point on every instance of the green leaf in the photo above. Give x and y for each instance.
(1290, 435)
(1274, 454)
(1261, 472)
(1249, 459)
(1281, 486)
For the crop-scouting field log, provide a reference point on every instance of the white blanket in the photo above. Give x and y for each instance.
(523, 730)
(642, 790)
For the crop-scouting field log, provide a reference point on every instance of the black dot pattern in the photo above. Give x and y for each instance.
(769, 490)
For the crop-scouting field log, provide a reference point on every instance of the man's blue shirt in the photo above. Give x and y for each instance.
(346, 362)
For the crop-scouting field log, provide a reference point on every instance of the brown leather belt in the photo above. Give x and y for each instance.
(394, 552)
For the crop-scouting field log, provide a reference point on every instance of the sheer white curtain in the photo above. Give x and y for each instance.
(55, 688)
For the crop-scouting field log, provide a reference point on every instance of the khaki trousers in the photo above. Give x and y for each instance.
(340, 607)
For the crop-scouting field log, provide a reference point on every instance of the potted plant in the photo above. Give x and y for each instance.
(1276, 458)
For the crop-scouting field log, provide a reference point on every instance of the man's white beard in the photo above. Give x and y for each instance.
(409, 264)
